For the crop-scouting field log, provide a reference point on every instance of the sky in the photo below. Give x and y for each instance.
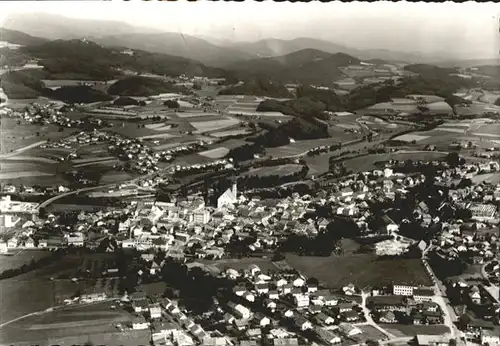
(467, 29)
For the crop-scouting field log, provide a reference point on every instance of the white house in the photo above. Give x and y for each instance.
(301, 300)
(139, 323)
(299, 282)
(489, 337)
(155, 311)
(402, 290)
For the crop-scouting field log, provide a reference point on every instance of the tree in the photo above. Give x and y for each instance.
(453, 159)
(464, 321)
(497, 102)
(371, 342)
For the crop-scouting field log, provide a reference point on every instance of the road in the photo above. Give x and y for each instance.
(441, 299)
(369, 319)
(75, 192)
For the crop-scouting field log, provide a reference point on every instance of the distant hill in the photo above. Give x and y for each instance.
(142, 86)
(468, 63)
(308, 66)
(83, 59)
(177, 44)
(18, 37)
(277, 47)
(55, 27)
(431, 70)
(258, 87)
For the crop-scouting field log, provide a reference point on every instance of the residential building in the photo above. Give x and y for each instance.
(402, 290)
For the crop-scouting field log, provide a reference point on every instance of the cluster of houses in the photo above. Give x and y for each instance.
(406, 305)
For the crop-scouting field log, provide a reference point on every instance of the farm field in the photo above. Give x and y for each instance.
(16, 137)
(282, 170)
(299, 147)
(17, 259)
(216, 153)
(213, 125)
(14, 300)
(402, 330)
(196, 114)
(115, 177)
(235, 132)
(76, 324)
(363, 270)
(484, 133)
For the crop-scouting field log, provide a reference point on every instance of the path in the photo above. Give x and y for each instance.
(51, 309)
(369, 319)
(20, 150)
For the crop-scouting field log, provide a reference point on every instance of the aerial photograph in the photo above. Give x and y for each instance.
(249, 174)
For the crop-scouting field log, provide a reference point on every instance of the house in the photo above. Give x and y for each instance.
(402, 290)
(239, 290)
(432, 340)
(254, 269)
(140, 305)
(281, 282)
(271, 305)
(286, 289)
(349, 330)
(328, 337)
(285, 342)
(249, 296)
(388, 317)
(262, 320)
(262, 288)
(475, 295)
(299, 282)
(273, 294)
(350, 316)
(302, 323)
(155, 311)
(345, 307)
(312, 288)
(242, 311)
(162, 329)
(331, 300)
(314, 309)
(389, 224)
(139, 323)
(324, 319)
(423, 294)
(301, 300)
(349, 290)
(489, 337)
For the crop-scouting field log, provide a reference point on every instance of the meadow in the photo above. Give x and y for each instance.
(403, 330)
(363, 270)
(213, 125)
(17, 136)
(282, 170)
(215, 153)
(19, 258)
